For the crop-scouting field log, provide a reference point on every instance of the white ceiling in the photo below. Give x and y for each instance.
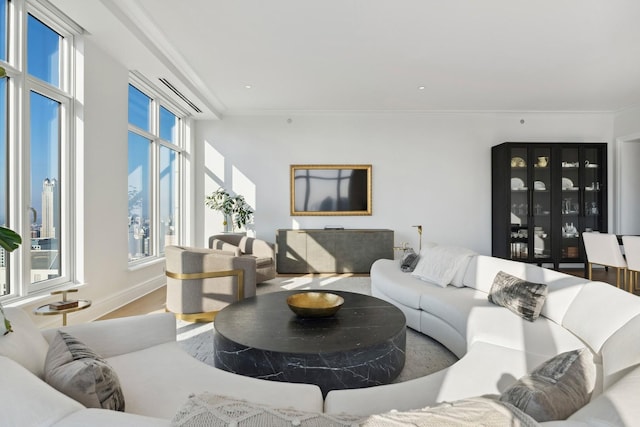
(373, 55)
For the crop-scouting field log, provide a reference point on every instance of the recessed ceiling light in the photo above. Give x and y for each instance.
(248, 86)
(421, 87)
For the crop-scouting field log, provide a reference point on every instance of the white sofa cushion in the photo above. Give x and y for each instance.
(496, 325)
(387, 277)
(617, 406)
(26, 400)
(93, 417)
(621, 352)
(438, 329)
(113, 337)
(452, 304)
(597, 311)
(476, 374)
(412, 315)
(156, 381)
(483, 269)
(563, 288)
(25, 344)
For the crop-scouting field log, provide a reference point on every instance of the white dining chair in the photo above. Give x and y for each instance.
(632, 253)
(604, 249)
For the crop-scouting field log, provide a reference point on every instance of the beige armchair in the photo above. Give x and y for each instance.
(201, 282)
(248, 247)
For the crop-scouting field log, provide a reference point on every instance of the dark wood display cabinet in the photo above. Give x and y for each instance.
(544, 196)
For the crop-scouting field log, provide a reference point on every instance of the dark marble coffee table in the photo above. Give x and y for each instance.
(362, 345)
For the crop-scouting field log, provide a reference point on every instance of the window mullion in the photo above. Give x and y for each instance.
(155, 196)
(39, 86)
(143, 133)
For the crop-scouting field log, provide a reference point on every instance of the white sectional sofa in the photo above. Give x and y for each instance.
(155, 374)
(495, 346)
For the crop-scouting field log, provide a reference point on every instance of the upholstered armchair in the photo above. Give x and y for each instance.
(201, 282)
(248, 247)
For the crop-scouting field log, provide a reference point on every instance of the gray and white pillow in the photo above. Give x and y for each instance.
(557, 388)
(77, 371)
(519, 296)
(409, 261)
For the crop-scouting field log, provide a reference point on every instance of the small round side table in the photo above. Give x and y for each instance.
(46, 310)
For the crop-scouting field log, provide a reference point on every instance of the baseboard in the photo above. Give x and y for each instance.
(118, 300)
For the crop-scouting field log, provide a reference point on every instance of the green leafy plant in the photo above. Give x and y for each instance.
(9, 239)
(235, 209)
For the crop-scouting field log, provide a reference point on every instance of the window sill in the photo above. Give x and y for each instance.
(145, 263)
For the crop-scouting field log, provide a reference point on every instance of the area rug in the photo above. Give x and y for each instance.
(423, 354)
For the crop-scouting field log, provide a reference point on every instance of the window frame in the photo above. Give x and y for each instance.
(160, 100)
(19, 88)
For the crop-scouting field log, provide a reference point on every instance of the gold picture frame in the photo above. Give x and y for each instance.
(330, 190)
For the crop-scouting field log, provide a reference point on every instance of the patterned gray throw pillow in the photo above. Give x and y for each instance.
(557, 388)
(521, 297)
(77, 371)
(409, 261)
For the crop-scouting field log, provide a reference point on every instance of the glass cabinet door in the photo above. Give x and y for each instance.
(519, 204)
(541, 203)
(593, 193)
(571, 203)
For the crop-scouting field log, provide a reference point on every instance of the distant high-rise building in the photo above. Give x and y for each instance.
(48, 228)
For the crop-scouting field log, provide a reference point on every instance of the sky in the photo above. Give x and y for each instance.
(43, 47)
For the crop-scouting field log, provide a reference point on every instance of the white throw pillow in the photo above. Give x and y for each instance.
(439, 264)
(458, 278)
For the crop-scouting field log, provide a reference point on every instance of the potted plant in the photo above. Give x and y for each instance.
(9, 239)
(235, 209)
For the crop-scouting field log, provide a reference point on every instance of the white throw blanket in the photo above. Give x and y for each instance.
(439, 264)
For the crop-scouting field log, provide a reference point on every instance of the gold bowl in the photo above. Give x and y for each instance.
(315, 304)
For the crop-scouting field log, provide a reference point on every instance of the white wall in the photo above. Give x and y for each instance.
(431, 169)
(101, 186)
(627, 177)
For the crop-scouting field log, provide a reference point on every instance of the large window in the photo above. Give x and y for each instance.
(155, 141)
(36, 50)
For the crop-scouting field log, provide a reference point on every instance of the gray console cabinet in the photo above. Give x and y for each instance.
(331, 251)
